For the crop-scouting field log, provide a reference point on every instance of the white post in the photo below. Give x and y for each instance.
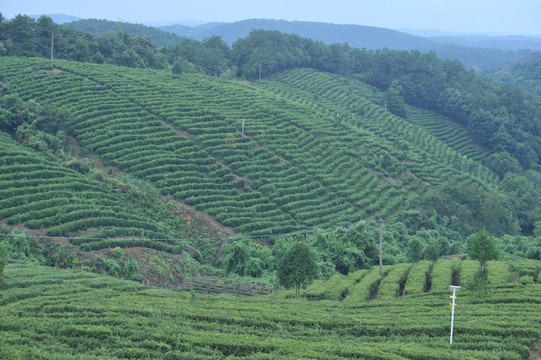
(242, 132)
(454, 288)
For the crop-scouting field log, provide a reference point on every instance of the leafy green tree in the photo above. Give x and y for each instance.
(414, 252)
(482, 247)
(20, 30)
(395, 102)
(433, 249)
(176, 69)
(297, 267)
(44, 28)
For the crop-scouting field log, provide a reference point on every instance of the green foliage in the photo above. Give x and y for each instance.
(17, 245)
(482, 247)
(62, 256)
(244, 257)
(419, 278)
(367, 287)
(176, 69)
(348, 250)
(525, 75)
(114, 263)
(415, 249)
(394, 101)
(433, 249)
(297, 267)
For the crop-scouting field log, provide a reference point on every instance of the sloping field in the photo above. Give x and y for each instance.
(41, 195)
(49, 313)
(295, 166)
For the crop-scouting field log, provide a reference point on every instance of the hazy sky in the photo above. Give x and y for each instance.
(479, 16)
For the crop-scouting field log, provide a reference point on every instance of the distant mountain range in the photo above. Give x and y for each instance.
(59, 18)
(477, 52)
(511, 42)
(355, 35)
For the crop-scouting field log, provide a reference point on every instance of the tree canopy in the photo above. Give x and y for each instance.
(297, 267)
(482, 247)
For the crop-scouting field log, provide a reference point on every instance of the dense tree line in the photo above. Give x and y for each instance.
(524, 75)
(344, 250)
(24, 36)
(499, 117)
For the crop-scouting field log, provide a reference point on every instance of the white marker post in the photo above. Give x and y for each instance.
(242, 132)
(454, 289)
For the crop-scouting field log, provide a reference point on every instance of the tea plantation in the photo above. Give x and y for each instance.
(49, 313)
(315, 150)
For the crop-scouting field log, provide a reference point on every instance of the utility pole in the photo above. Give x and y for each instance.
(52, 49)
(454, 289)
(380, 223)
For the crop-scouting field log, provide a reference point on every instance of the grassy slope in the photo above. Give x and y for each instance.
(298, 165)
(51, 313)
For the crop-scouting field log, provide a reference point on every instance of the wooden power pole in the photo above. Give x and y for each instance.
(52, 49)
(380, 223)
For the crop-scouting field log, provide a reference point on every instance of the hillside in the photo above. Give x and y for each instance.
(510, 42)
(52, 313)
(101, 27)
(295, 167)
(161, 166)
(318, 149)
(524, 74)
(481, 56)
(361, 37)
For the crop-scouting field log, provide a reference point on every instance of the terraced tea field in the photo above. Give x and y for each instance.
(50, 313)
(44, 196)
(311, 153)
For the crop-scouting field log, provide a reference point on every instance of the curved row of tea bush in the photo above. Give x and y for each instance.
(52, 313)
(63, 202)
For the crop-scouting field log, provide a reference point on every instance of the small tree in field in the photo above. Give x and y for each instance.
(482, 247)
(297, 267)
